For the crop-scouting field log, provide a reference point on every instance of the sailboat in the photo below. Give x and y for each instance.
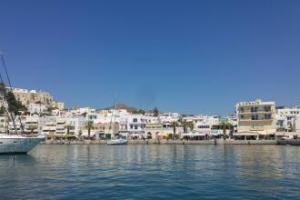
(15, 143)
(118, 140)
(18, 144)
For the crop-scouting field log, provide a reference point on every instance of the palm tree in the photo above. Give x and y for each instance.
(191, 125)
(224, 126)
(89, 126)
(174, 126)
(184, 125)
(69, 127)
(79, 134)
(187, 125)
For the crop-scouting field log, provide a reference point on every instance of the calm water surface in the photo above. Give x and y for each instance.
(152, 172)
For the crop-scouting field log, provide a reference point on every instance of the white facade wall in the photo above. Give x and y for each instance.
(205, 124)
(287, 118)
(297, 126)
(136, 123)
(36, 108)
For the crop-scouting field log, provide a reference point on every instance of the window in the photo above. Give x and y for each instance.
(242, 116)
(253, 109)
(131, 126)
(268, 116)
(254, 117)
(135, 127)
(204, 127)
(135, 120)
(267, 108)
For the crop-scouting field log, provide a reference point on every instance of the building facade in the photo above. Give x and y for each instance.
(256, 116)
(287, 119)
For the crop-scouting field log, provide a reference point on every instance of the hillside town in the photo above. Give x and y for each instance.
(252, 120)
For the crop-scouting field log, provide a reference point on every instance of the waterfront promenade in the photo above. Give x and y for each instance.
(183, 142)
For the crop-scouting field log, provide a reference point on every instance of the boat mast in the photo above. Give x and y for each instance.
(10, 88)
(111, 124)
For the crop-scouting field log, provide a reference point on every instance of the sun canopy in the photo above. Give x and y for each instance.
(245, 134)
(194, 134)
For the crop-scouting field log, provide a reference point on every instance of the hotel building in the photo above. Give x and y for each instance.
(256, 116)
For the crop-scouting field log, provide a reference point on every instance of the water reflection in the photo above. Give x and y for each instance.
(152, 171)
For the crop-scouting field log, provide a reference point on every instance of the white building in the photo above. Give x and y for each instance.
(169, 117)
(287, 118)
(297, 124)
(62, 126)
(204, 124)
(35, 108)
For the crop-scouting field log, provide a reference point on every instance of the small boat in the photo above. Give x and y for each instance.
(18, 144)
(118, 141)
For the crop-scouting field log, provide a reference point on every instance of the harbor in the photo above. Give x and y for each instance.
(149, 100)
(255, 122)
(294, 142)
(152, 171)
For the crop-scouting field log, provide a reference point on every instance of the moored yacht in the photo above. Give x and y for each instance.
(14, 144)
(11, 143)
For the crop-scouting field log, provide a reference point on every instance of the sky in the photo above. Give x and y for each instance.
(188, 56)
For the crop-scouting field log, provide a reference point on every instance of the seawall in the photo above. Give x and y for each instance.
(168, 142)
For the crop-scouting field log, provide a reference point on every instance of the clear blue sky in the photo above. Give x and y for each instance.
(185, 56)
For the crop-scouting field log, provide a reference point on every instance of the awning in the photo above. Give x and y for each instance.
(245, 134)
(194, 134)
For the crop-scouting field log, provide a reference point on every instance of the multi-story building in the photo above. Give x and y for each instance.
(204, 124)
(256, 116)
(287, 118)
(61, 126)
(162, 131)
(31, 125)
(133, 125)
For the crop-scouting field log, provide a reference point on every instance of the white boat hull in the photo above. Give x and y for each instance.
(117, 142)
(10, 144)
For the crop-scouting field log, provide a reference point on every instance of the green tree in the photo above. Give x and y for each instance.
(187, 125)
(184, 125)
(138, 111)
(155, 112)
(14, 106)
(89, 126)
(224, 125)
(79, 133)
(2, 110)
(69, 127)
(174, 125)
